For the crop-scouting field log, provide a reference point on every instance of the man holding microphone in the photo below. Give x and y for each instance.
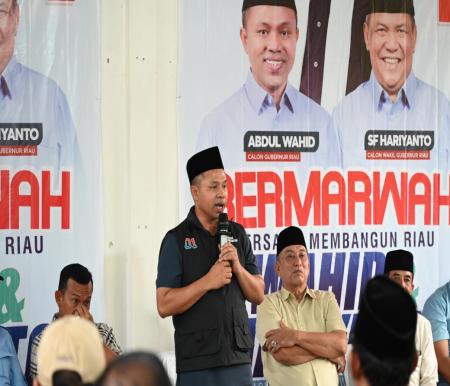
(203, 286)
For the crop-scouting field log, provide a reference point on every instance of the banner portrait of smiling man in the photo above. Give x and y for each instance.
(332, 116)
(49, 156)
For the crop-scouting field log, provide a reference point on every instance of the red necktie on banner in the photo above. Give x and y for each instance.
(444, 11)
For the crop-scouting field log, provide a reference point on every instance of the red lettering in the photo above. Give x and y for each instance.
(24, 200)
(255, 198)
(26, 190)
(419, 199)
(389, 189)
(311, 199)
(329, 198)
(439, 200)
(243, 201)
(266, 198)
(355, 196)
(62, 201)
(4, 199)
(230, 203)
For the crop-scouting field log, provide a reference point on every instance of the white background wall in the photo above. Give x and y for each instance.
(138, 73)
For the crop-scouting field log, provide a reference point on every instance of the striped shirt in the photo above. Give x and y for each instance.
(105, 331)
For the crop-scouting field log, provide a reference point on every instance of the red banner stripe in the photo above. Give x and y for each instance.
(444, 11)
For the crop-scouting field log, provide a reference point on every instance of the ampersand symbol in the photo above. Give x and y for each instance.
(10, 308)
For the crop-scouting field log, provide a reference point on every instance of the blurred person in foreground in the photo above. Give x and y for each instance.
(135, 369)
(70, 354)
(384, 352)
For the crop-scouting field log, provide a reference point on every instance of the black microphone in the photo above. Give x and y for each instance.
(223, 229)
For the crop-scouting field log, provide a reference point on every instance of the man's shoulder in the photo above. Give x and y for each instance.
(108, 337)
(300, 101)
(230, 104)
(3, 333)
(35, 77)
(103, 328)
(235, 226)
(422, 319)
(37, 340)
(440, 294)
(320, 295)
(273, 298)
(180, 226)
(422, 322)
(424, 90)
(6, 344)
(356, 97)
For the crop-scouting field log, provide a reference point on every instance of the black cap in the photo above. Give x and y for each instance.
(387, 319)
(400, 260)
(203, 161)
(279, 3)
(392, 6)
(290, 236)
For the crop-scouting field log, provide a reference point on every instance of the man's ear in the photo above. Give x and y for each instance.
(16, 16)
(277, 266)
(243, 35)
(194, 192)
(414, 39)
(366, 35)
(58, 297)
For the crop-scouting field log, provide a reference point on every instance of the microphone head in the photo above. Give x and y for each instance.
(223, 223)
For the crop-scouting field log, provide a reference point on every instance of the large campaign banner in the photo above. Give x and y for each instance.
(50, 189)
(359, 173)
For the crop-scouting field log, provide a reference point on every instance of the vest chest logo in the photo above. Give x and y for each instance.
(190, 243)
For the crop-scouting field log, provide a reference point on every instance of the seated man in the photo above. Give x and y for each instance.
(70, 353)
(399, 267)
(437, 310)
(73, 297)
(384, 351)
(300, 330)
(10, 371)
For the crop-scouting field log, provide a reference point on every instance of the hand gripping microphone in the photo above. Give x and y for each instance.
(223, 229)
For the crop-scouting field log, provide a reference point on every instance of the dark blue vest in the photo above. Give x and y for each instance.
(214, 331)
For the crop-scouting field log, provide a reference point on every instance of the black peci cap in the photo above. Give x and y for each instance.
(387, 319)
(392, 6)
(280, 3)
(203, 161)
(290, 236)
(400, 260)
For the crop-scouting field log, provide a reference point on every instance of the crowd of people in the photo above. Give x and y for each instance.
(207, 270)
(300, 330)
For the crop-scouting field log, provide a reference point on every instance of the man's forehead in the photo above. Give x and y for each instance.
(270, 14)
(294, 248)
(385, 17)
(399, 272)
(74, 286)
(215, 175)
